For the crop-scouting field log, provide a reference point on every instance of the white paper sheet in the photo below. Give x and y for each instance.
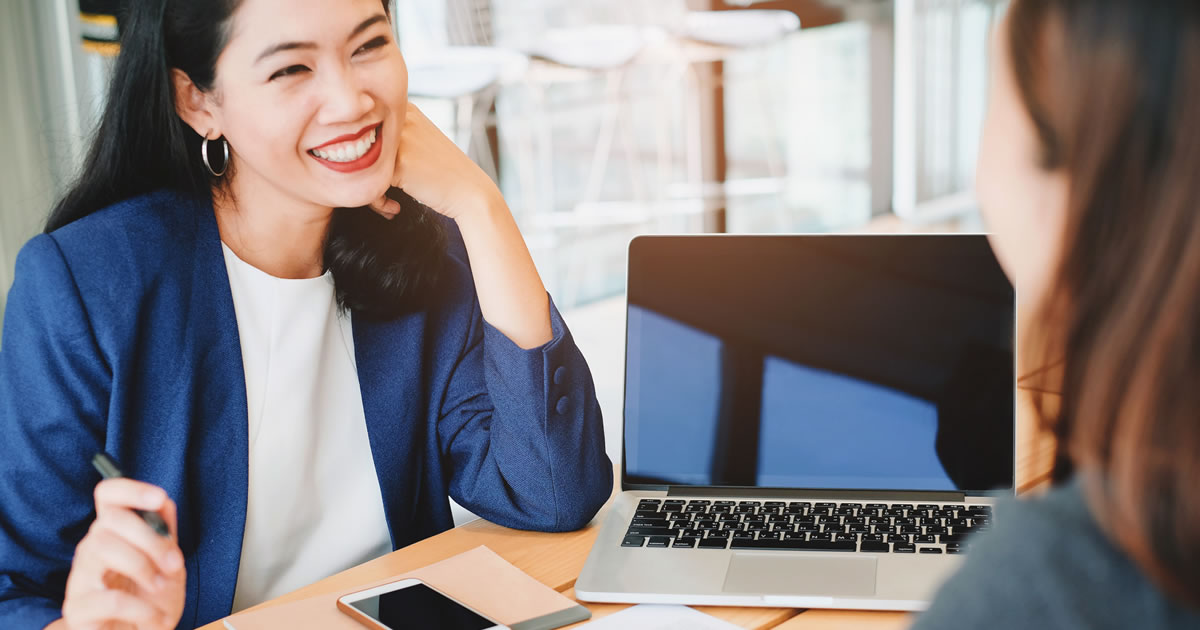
(655, 617)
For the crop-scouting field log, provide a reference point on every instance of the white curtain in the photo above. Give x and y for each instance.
(40, 117)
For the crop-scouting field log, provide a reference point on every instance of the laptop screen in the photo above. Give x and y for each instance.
(825, 362)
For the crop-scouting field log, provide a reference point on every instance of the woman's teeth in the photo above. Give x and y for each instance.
(347, 151)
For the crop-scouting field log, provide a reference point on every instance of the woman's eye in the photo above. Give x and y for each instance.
(290, 70)
(372, 45)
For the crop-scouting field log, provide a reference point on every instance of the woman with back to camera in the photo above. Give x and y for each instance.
(298, 365)
(1088, 184)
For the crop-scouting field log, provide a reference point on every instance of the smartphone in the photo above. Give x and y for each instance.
(412, 604)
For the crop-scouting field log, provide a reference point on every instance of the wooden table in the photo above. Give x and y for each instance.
(556, 559)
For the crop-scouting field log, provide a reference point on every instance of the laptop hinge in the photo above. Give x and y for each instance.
(788, 493)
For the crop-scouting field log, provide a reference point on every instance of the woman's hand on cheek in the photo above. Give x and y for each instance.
(434, 171)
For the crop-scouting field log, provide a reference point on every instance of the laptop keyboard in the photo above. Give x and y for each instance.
(805, 526)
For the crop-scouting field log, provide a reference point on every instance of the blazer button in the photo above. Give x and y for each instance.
(559, 375)
(561, 407)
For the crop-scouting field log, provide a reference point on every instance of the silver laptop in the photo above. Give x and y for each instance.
(810, 421)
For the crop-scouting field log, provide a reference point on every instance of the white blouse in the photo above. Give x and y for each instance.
(314, 506)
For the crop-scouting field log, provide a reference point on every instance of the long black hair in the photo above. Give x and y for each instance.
(381, 268)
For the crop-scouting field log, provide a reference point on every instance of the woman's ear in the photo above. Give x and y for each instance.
(194, 106)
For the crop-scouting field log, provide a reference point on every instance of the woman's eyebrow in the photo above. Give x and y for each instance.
(271, 50)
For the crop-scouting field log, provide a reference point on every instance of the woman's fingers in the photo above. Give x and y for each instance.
(128, 494)
(104, 551)
(162, 551)
(386, 207)
(124, 574)
(97, 609)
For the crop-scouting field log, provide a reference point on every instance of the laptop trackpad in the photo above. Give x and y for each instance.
(778, 574)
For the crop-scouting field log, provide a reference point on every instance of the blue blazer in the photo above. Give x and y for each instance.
(120, 336)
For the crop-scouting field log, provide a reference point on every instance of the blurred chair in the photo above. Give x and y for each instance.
(461, 68)
(582, 52)
(727, 33)
(469, 77)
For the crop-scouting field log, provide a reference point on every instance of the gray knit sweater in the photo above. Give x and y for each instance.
(1047, 564)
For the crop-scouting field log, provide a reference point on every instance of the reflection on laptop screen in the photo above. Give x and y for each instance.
(851, 362)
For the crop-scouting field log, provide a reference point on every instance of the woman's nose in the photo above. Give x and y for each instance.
(345, 100)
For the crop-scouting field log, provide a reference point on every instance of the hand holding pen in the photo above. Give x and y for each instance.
(128, 570)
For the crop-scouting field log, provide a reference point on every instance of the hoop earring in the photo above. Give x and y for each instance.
(204, 156)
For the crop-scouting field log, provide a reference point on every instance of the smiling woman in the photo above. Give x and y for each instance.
(167, 109)
(292, 309)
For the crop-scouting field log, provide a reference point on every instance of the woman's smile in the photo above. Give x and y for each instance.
(354, 152)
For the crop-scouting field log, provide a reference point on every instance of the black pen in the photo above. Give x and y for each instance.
(108, 469)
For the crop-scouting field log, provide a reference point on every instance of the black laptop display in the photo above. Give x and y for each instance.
(847, 362)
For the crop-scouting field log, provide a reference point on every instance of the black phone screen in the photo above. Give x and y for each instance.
(420, 607)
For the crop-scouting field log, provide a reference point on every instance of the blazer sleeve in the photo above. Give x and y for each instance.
(54, 391)
(522, 431)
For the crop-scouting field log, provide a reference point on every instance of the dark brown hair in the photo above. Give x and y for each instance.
(1113, 89)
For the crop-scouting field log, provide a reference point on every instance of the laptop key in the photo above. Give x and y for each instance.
(659, 541)
(931, 550)
(651, 531)
(927, 539)
(743, 535)
(903, 548)
(877, 547)
(685, 543)
(633, 541)
(714, 543)
(793, 545)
